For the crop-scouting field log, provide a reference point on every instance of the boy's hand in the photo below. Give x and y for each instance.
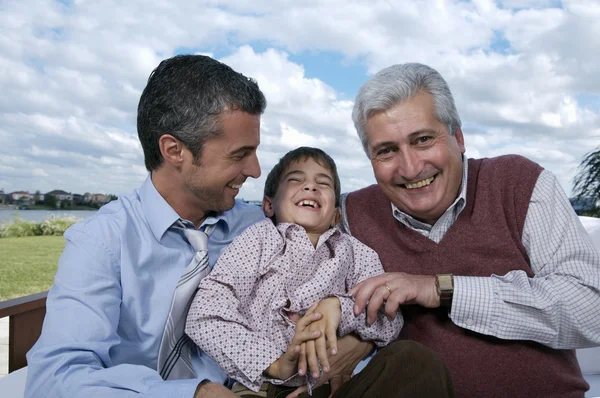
(287, 365)
(327, 326)
(351, 351)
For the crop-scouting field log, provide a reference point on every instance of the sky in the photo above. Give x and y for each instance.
(525, 76)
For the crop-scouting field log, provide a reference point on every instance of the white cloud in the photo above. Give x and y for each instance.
(524, 74)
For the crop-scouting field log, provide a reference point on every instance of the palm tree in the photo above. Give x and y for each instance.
(586, 184)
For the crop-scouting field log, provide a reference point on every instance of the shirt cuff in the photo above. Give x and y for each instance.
(348, 321)
(473, 303)
(174, 388)
(253, 371)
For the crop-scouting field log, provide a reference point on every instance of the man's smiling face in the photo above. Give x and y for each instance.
(417, 163)
(226, 161)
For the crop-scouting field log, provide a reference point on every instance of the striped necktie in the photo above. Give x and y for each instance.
(175, 352)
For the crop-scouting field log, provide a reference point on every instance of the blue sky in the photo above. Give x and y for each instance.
(525, 76)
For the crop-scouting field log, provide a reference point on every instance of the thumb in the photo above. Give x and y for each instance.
(292, 353)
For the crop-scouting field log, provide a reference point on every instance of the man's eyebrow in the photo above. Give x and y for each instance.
(422, 131)
(243, 149)
(410, 136)
(384, 144)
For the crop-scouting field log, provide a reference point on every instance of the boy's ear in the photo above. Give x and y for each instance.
(336, 217)
(267, 205)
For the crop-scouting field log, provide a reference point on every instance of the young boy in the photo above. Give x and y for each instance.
(255, 305)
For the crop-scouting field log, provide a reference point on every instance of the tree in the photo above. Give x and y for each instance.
(586, 184)
(50, 200)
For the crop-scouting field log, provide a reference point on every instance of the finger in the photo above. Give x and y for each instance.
(321, 348)
(292, 353)
(392, 305)
(331, 336)
(311, 357)
(304, 336)
(307, 319)
(357, 287)
(375, 303)
(363, 295)
(296, 393)
(302, 366)
(312, 308)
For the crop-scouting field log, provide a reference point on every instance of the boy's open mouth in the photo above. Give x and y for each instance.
(308, 203)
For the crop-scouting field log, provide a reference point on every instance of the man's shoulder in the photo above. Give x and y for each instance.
(505, 163)
(368, 196)
(370, 190)
(111, 220)
(243, 214)
(241, 208)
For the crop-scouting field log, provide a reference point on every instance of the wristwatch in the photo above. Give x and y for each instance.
(445, 289)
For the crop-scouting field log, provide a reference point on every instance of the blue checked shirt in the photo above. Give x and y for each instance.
(560, 306)
(108, 306)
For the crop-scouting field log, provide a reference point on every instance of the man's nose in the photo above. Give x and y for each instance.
(409, 165)
(252, 168)
(310, 187)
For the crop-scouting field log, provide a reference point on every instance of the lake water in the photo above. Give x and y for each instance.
(40, 215)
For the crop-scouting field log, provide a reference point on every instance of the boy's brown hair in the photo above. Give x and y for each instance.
(296, 155)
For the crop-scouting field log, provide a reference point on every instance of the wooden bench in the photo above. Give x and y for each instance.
(26, 315)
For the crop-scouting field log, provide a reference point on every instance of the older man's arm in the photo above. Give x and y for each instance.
(559, 306)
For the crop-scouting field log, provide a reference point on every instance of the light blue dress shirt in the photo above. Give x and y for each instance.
(108, 306)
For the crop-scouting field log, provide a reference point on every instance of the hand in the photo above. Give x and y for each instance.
(213, 390)
(351, 350)
(394, 289)
(331, 310)
(287, 365)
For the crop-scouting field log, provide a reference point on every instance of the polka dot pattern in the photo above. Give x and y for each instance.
(239, 314)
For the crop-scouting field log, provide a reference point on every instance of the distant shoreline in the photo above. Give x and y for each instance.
(46, 208)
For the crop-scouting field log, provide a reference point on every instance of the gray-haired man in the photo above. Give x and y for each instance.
(505, 278)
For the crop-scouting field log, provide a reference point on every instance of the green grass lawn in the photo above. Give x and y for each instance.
(28, 265)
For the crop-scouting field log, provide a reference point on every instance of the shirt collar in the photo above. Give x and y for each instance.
(160, 215)
(287, 229)
(457, 206)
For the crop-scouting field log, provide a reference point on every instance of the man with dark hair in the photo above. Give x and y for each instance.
(502, 279)
(111, 322)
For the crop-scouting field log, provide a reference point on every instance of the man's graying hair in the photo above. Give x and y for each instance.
(395, 84)
(185, 96)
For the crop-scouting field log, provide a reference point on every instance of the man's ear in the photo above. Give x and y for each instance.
(460, 139)
(171, 149)
(267, 205)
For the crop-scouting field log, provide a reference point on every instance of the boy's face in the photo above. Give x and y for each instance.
(306, 196)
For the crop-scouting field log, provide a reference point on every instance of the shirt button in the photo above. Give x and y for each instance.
(469, 322)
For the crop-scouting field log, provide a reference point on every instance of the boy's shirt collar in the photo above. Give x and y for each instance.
(296, 232)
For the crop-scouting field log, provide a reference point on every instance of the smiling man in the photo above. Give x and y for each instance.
(113, 326)
(503, 278)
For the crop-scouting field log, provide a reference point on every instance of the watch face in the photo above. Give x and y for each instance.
(445, 283)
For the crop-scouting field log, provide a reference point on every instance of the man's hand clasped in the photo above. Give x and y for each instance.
(390, 290)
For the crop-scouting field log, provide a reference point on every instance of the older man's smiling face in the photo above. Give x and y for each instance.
(417, 163)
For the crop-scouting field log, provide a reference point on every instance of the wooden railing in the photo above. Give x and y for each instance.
(26, 315)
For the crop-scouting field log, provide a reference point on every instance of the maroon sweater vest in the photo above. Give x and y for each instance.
(484, 240)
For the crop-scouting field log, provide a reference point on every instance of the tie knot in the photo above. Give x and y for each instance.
(198, 239)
